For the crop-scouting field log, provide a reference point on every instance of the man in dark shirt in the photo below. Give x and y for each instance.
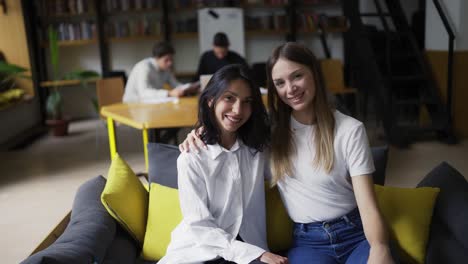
(220, 56)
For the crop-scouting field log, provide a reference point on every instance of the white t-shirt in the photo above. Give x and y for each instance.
(311, 194)
(221, 195)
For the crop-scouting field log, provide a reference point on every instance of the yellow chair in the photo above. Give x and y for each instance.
(109, 91)
(332, 70)
(333, 75)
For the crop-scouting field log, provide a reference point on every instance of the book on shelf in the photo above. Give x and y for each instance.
(266, 22)
(267, 2)
(128, 5)
(319, 2)
(65, 7)
(186, 25)
(177, 4)
(76, 31)
(145, 26)
(316, 21)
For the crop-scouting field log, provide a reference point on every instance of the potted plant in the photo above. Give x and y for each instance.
(54, 103)
(9, 92)
(55, 119)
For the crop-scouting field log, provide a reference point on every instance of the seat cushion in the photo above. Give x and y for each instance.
(126, 199)
(89, 233)
(408, 213)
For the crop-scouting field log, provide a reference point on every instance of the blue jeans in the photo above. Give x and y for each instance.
(340, 240)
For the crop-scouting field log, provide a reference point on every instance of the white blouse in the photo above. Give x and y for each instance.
(221, 195)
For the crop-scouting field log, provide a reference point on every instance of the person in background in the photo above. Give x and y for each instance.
(220, 56)
(148, 77)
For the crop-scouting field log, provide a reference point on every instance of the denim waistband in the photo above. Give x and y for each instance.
(352, 215)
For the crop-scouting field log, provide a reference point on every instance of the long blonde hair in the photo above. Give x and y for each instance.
(282, 143)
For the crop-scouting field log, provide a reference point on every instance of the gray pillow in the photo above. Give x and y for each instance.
(89, 233)
(162, 167)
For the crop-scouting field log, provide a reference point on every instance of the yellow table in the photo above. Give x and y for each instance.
(147, 116)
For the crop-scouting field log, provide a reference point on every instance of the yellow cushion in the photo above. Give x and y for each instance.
(126, 199)
(408, 212)
(164, 215)
(279, 225)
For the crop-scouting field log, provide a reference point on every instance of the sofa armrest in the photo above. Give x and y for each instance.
(448, 228)
(89, 233)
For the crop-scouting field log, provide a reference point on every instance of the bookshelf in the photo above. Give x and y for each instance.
(133, 20)
(107, 27)
(74, 21)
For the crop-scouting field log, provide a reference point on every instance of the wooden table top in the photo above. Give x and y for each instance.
(163, 115)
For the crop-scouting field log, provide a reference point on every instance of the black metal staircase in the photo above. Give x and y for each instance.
(393, 69)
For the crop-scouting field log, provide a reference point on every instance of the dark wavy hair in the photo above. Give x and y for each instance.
(255, 133)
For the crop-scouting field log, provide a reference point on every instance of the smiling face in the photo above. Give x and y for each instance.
(232, 109)
(295, 85)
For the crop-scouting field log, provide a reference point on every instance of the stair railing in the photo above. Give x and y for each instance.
(451, 39)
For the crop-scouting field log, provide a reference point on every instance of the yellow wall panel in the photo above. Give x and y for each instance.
(438, 62)
(13, 41)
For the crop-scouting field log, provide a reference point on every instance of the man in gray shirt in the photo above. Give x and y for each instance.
(148, 77)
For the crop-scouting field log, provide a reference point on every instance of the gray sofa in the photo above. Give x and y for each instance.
(93, 236)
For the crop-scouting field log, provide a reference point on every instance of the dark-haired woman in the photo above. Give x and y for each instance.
(221, 189)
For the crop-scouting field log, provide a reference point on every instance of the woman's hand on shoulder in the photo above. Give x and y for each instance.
(193, 142)
(271, 258)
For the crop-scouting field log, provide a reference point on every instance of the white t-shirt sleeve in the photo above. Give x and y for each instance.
(358, 154)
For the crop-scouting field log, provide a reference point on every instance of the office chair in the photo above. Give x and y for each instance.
(109, 91)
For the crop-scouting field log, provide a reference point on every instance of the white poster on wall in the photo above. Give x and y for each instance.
(227, 20)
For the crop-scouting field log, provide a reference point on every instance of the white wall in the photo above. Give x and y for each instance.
(187, 54)
(334, 41)
(436, 35)
(462, 37)
(259, 48)
(75, 58)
